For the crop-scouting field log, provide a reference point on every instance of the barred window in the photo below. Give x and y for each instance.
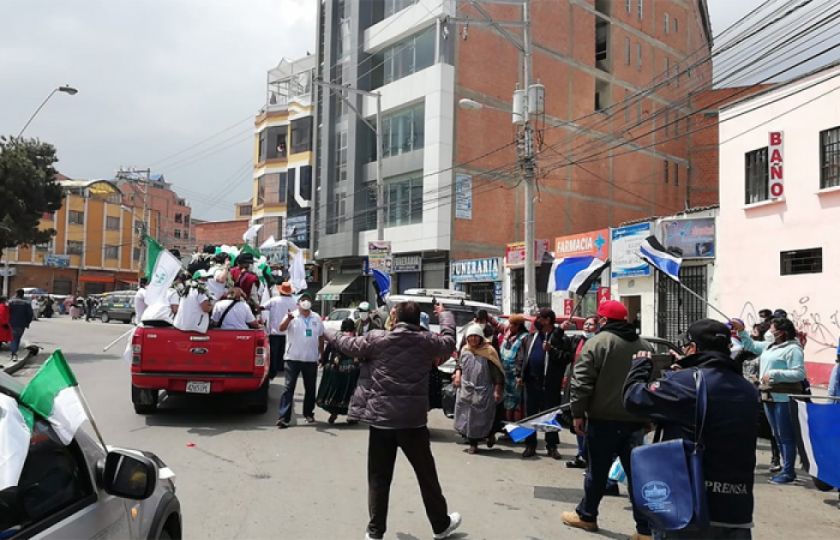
(801, 261)
(830, 158)
(756, 175)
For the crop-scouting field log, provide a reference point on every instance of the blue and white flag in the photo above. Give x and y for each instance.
(575, 274)
(818, 426)
(520, 431)
(382, 283)
(660, 258)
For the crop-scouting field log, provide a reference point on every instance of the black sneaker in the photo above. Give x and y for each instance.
(775, 467)
(577, 463)
(310, 419)
(281, 424)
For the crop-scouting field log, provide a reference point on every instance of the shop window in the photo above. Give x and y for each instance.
(801, 261)
(830, 158)
(302, 135)
(76, 217)
(75, 248)
(404, 200)
(112, 252)
(757, 176)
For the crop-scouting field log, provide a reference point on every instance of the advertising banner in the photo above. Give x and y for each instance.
(515, 253)
(379, 255)
(625, 251)
(463, 196)
(690, 238)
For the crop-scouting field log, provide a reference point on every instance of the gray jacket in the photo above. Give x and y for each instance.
(394, 393)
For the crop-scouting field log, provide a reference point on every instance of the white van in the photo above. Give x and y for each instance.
(455, 301)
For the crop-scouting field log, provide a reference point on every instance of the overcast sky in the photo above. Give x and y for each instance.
(157, 76)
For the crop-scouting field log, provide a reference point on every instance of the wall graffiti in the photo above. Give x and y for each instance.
(820, 331)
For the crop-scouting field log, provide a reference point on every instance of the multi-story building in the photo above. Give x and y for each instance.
(780, 240)
(283, 157)
(96, 247)
(612, 143)
(143, 189)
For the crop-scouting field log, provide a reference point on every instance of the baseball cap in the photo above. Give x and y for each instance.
(709, 334)
(364, 306)
(613, 310)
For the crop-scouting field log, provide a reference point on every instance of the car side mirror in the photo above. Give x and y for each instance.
(127, 474)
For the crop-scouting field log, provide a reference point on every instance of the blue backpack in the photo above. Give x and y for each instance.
(668, 483)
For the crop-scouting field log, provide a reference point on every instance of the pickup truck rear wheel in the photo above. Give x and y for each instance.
(145, 401)
(258, 403)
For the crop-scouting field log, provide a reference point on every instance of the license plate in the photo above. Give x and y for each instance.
(194, 387)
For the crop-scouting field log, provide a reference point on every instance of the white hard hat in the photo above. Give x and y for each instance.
(474, 330)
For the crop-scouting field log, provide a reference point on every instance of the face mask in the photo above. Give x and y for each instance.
(588, 335)
(768, 336)
(364, 315)
(306, 305)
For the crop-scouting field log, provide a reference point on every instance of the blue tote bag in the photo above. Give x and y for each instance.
(668, 483)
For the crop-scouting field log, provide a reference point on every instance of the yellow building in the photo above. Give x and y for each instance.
(96, 247)
(283, 158)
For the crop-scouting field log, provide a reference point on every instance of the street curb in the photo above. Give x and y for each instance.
(32, 351)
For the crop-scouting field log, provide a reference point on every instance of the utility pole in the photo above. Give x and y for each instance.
(377, 130)
(527, 161)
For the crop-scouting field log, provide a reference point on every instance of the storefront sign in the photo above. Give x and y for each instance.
(690, 237)
(379, 255)
(625, 251)
(498, 294)
(463, 196)
(568, 306)
(589, 244)
(515, 253)
(604, 295)
(469, 270)
(408, 263)
(776, 161)
(58, 261)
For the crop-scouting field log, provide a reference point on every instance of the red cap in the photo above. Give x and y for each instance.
(612, 309)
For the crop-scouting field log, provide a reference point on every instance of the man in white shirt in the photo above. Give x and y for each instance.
(217, 284)
(234, 313)
(140, 300)
(277, 307)
(194, 307)
(304, 347)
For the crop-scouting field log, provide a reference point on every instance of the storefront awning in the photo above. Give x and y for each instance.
(336, 286)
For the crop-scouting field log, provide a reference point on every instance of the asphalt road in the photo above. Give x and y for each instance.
(240, 477)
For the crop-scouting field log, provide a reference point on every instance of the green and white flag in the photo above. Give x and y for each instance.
(153, 251)
(15, 430)
(53, 393)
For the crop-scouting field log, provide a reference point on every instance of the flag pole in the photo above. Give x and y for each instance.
(685, 288)
(108, 346)
(89, 414)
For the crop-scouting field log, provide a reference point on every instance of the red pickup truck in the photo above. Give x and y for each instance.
(220, 361)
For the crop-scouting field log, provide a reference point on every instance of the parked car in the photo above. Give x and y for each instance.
(117, 306)
(85, 491)
(29, 292)
(332, 322)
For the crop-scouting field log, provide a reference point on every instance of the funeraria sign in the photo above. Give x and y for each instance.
(475, 270)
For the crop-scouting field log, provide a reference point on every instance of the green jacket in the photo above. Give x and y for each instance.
(599, 374)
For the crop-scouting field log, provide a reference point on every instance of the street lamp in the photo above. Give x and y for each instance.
(470, 104)
(67, 89)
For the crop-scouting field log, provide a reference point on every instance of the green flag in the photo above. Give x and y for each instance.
(248, 248)
(52, 393)
(153, 250)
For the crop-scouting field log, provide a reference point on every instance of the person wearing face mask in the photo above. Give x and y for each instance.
(781, 372)
(368, 320)
(304, 349)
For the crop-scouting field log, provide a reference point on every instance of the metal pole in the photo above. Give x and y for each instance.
(41, 106)
(380, 188)
(528, 163)
(6, 276)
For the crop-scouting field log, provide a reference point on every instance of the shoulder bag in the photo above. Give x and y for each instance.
(667, 477)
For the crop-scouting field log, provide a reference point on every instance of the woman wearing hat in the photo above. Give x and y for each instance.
(480, 380)
(510, 348)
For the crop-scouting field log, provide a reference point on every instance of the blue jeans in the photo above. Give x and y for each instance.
(310, 374)
(17, 334)
(581, 446)
(606, 439)
(778, 414)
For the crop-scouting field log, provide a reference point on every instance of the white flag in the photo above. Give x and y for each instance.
(251, 233)
(297, 272)
(268, 244)
(165, 272)
(15, 431)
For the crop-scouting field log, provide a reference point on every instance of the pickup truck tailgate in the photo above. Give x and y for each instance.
(218, 351)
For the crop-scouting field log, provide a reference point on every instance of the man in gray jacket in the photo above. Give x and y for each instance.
(394, 402)
(598, 410)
